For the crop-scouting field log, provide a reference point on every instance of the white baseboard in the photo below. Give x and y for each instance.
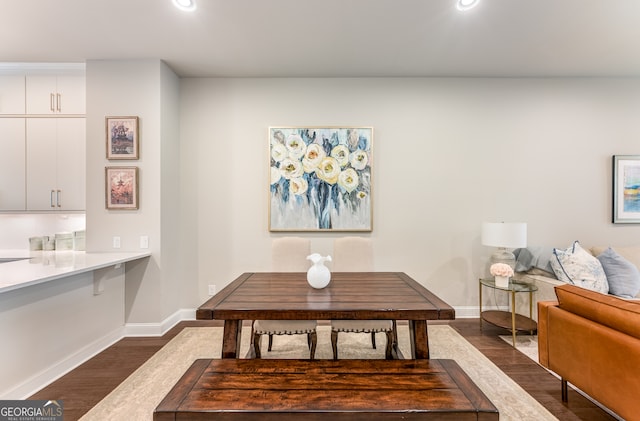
(159, 329)
(54, 372)
(467, 312)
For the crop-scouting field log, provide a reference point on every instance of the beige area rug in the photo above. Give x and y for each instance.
(137, 397)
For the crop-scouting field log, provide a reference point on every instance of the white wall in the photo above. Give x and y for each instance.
(448, 155)
(149, 90)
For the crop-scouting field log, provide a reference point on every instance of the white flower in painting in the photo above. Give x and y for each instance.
(359, 159)
(295, 146)
(341, 154)
(313, 157)
(329, 170)
(276, 175)
(348, 179)
(298, 186)
(361, 195)
(291, 168)
(279, 152)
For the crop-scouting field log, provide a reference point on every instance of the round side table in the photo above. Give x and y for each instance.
(510, 320)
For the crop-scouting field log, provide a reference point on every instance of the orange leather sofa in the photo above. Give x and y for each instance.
(592, 341)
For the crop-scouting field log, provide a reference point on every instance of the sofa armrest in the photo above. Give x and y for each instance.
(543, 329)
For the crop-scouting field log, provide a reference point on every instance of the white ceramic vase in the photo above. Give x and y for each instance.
(318, 275)
(502, 281)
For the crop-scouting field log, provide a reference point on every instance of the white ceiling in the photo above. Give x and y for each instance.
(333, 38)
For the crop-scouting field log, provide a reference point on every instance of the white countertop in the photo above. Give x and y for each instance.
(43, 266)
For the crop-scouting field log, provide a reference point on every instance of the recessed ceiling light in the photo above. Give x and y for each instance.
(188, 5)
(467, 4)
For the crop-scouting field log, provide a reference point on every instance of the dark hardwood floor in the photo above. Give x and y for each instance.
(85, 386)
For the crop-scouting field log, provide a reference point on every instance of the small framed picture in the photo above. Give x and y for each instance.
(626, 189)
(121, 187)
(122, 138)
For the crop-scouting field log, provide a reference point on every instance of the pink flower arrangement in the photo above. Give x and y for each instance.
(501, 269)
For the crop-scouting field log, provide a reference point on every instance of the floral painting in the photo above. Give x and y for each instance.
(320, 179)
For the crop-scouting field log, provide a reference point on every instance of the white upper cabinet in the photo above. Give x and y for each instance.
(62, 94)
(55, 164)
(42, 138)
(12, 94)
(12, 164)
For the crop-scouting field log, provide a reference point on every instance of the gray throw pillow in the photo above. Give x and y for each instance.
(622, 275)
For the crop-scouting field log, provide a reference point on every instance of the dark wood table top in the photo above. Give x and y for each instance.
(350, 295)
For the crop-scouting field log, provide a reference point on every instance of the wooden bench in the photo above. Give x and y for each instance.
(282, 390)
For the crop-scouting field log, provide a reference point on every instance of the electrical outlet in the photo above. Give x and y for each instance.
(116, 242)
(144, 242)
(212, 289)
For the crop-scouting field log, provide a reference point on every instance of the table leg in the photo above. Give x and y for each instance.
(231, 338)
(513, 316)
(419, 339)
(531, 308)
(480, 304)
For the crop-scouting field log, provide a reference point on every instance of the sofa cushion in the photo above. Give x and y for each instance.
(623, 276)
(610, 311)
(577, 266)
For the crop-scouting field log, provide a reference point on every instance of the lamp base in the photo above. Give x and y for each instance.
(502, 255)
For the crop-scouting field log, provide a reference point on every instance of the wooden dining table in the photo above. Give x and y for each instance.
(349, 296)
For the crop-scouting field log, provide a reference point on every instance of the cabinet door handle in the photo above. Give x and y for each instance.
(51, 198)
(59, 102)
(58, 194)
(51, 105)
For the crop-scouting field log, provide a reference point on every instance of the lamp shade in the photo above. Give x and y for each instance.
(504, 234)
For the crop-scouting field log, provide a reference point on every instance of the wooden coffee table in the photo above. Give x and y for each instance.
(350, 296)
(342, 390)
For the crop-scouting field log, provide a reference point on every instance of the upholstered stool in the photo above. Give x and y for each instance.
(363, 326)
(285, 327)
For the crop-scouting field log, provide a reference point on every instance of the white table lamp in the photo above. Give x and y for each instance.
(504, 235)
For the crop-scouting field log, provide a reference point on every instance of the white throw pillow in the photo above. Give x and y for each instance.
(578, 267)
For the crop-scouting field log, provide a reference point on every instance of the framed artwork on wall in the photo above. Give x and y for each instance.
(122, 137)
(121, 188)
(320, 178)
(626, 189)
